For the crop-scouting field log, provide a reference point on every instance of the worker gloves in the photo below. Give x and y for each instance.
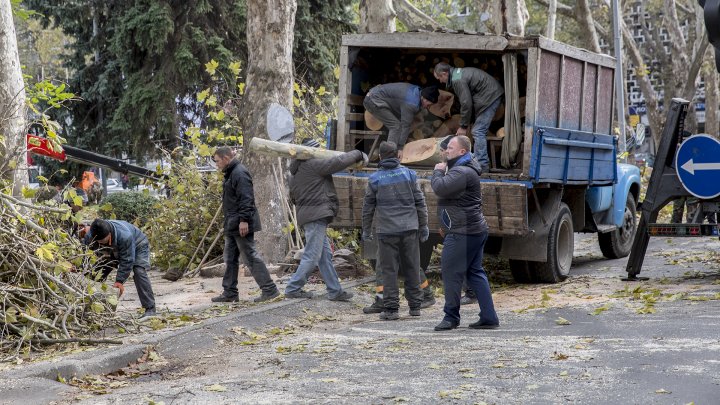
(424, 233)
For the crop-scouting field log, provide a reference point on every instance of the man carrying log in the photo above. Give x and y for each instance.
(313, 193)
(480, 96)
(395, 105)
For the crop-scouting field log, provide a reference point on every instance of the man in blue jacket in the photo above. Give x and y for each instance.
(394, 198)
(396, 104)
(466, 231)
(129, 246)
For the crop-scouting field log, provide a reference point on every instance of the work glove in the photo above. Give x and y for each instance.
(120, 287)
(424, 233)
(365, 159)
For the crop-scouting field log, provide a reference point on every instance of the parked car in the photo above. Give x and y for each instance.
(114, 186)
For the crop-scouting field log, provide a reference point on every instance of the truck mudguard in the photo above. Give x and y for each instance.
(627, 175)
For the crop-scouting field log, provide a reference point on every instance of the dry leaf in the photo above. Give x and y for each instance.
(216, 388)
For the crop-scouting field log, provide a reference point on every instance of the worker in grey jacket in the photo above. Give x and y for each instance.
(130, 247)
(313, 193)
(480, 96)
(396, 104)
(394, 197)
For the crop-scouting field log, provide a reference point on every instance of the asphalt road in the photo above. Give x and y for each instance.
(621, 343)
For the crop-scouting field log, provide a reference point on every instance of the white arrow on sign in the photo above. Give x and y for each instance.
(691, 166)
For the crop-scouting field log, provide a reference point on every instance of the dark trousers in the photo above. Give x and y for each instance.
(400, 253)
(384, 114)
(462, 258)
(234, 246)
(106, 265)
(143, 287)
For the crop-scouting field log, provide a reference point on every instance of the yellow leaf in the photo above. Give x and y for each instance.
(44, 253)
(321, 91)
(296, 102)
(336, 72)
(241, 88)
(211, 66)
(203, 95)
(663, 391)
(211, 101)
(216, 388)
(563, 374)
(562, 321)
(234, 68)
(97, 307)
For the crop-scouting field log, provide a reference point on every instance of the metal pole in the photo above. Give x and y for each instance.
(619, 76)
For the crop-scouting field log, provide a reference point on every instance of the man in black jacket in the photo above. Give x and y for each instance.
(313, 192)
(466, 231)
(394, 198)
(241, 222)
(480, 96)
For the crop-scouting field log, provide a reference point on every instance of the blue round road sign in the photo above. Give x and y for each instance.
(698, 166)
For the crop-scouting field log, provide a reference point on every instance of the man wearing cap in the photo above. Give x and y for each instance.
(129, 246)
(394, 198)
(313, 193)
(480, 96)
(241, 222)
(395, 105)
(466, 231)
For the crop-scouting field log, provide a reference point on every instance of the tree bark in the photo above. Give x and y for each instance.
(291, 151)
(413, 18)
(712, 123)
(377, 16)
(270, 36)
(12, 103)
(586, 21)
(516, 15)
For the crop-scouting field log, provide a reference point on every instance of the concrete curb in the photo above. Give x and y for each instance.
(109, 359)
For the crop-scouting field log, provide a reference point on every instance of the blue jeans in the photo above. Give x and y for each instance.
(317, 254)
(462, 258)
(479, 133)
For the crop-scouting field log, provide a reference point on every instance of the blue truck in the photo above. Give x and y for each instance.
(554, 173)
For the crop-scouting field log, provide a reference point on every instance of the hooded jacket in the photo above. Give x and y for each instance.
(475, 89)
(312, 189)
(238, 200)
(459, 196)
(393, 195)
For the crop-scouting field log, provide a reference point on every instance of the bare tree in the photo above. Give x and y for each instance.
(506, 16)
(270, 36)
(377, 16)
(552, 16)
(12, 102)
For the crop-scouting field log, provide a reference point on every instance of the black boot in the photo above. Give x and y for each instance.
(376, 307)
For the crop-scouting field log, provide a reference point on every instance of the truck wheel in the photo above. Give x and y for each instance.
(618, 243)
(560, 249)
(521, 271)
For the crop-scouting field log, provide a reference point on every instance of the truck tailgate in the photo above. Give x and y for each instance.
(504, 205)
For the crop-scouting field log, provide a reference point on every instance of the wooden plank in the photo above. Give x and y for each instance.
(355, 99)
(427, 40)
(531, 102)
(577, 53)
(354, 117)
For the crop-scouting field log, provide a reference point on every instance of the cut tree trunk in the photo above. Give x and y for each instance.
(12, 103)
(267, 147)
(270, 36)
(424, 152)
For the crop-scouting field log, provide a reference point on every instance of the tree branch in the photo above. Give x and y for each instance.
(414, 18)
(33, 206)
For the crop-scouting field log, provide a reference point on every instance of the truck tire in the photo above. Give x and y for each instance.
(560, 250)
(521, 271)
(618, 243)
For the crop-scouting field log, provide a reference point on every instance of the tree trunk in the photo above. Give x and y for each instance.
(270, 36)
(424, 152)
(506, 16)
(376, 16)
(586, 22)
(12, 103)
(712, 125)
(552, 16)
(494, 9)
(413, 18)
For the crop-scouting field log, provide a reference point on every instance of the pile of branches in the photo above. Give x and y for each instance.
(47, 294)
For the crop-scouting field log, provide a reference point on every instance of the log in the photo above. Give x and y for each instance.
(448, 127)
(442, 107)
(293, 151)
(424, 152)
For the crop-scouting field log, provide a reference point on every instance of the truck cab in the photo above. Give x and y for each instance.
(554, 168)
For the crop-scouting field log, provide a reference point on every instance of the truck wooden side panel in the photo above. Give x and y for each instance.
(504, 205)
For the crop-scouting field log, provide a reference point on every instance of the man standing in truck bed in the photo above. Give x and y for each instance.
(480, 96)
(395, 105)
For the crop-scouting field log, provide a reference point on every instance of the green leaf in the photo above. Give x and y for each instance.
(97, 307)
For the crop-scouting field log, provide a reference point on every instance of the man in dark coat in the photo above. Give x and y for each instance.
(313, 193)
(241, 222)
(129, 248)
(395, 105)
(480, 96)
(394, 198)
(466, 231)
